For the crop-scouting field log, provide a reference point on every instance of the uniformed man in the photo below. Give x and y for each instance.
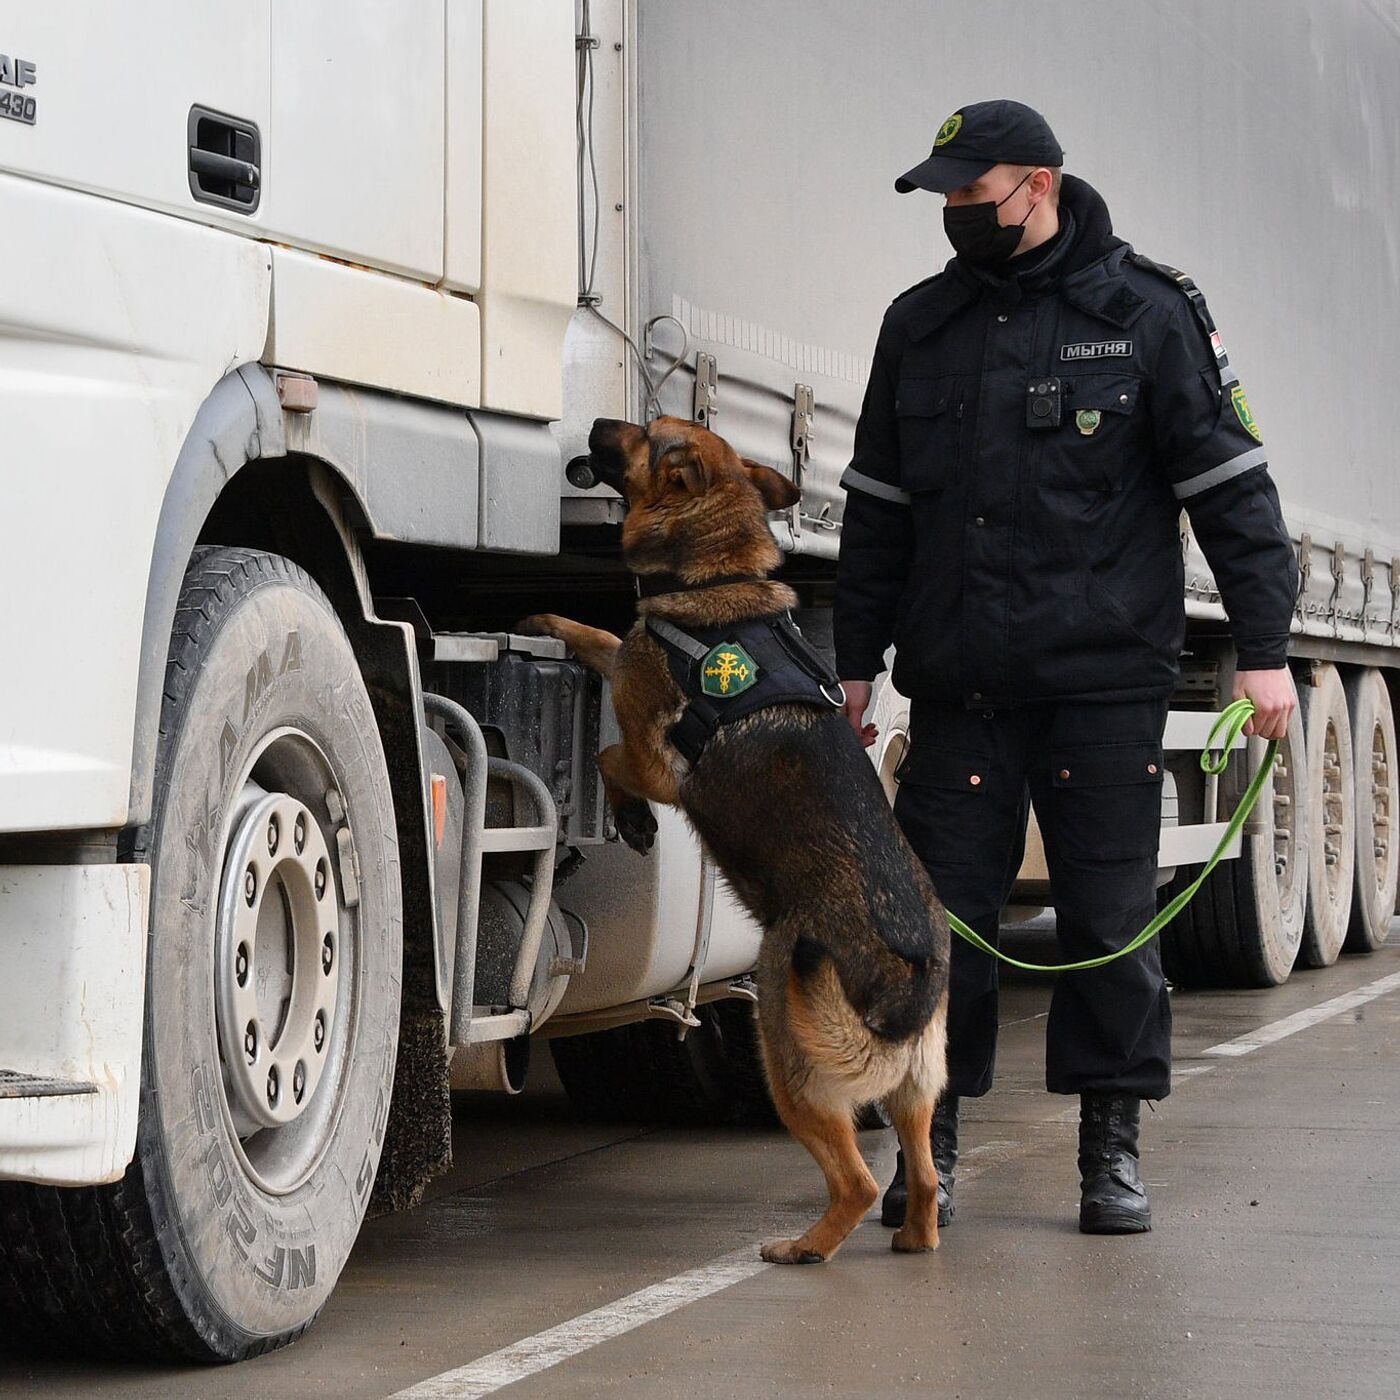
(1038, 415)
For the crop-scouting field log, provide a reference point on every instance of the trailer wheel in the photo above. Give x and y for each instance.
(1330, 809)
(272, 1007)
(1377, 810)
(1245, 925)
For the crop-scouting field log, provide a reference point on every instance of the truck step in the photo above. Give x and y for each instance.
(16, 1084)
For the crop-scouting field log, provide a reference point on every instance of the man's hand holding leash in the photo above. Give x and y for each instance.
(1275, 698)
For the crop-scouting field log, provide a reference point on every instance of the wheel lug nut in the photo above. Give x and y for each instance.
(274, 1088)
(298, 1081)
(250, 1042)
(272, 836)
(240, 964)
(327, 954)
(320, 879)
(250, 885)
(299, 832)
(318, 1031)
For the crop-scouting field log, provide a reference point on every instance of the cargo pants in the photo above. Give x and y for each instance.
(1093, 773)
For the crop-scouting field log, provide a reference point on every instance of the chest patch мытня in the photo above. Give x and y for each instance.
(1096, 349)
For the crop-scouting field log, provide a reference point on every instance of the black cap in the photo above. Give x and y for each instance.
(978, 137)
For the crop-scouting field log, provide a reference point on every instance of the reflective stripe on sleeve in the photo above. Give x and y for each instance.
(1194, 485)
(851, 479)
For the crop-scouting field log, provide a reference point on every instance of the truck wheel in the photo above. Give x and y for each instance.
(1330, 810)
(1377, 810)
(642, 1072)
(272, 1006)
(1244, 927)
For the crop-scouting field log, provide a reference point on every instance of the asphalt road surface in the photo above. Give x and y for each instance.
(562, 1259)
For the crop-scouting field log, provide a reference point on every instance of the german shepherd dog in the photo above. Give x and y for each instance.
(853, 969)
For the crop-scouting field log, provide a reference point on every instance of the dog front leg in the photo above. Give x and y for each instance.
(594, 647)
(628, 785)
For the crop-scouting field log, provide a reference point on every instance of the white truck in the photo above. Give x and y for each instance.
(308, 306)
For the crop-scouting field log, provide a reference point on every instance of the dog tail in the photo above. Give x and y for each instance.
(894, 996)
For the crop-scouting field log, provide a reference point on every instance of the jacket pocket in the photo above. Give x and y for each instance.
(930, 419)
(1108, 800)
(1098, 437)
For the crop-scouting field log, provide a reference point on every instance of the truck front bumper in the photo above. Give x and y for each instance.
(72, 990)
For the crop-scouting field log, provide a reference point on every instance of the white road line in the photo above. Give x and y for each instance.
(1191, 1071)
(1300, 1020)
(549, 1348)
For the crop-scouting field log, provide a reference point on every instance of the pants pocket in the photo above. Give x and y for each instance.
(1106, 801)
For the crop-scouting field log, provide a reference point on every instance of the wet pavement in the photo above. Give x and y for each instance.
(1274, 1269)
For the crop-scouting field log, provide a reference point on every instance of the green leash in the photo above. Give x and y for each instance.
(1231, 722)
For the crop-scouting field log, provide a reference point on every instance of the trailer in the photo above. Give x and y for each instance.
(308, 311)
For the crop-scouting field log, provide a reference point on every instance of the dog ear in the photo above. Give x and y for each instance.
(778, 491)
(690, 474)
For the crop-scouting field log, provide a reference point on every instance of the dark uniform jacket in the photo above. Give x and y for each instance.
(1011, 564)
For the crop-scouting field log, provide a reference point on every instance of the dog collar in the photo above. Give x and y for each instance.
(654, 585)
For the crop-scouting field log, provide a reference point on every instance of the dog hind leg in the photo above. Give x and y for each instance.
(831, 1139)
(911, 1108)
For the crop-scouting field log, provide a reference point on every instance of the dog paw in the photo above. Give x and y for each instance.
(789, 1252)
(909, 1241)
(537, 625)
(636, 824)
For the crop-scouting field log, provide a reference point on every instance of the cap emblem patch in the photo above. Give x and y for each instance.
(1242, 412)
(948, 130)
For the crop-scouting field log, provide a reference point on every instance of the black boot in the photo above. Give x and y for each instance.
(945, 1154)
(1112, 1199)
(944, 1137)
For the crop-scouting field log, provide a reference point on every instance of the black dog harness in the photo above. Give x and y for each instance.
(732, 670)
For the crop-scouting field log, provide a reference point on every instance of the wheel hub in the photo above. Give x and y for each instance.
(277, 945)
(1333, 809)
(1380, 805)
(1285, 825)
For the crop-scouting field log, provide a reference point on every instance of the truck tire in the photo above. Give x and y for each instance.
(271, 1022)
(1377, 810)
(1245, 925)
(743, 1057)
(643, 1073)
(1330, 810)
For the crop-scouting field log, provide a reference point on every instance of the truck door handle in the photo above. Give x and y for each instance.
(228, 169)
(224, 154)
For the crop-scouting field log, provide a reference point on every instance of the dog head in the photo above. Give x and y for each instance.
(695, 508)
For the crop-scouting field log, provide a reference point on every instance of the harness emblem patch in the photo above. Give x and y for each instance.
(727, 670)
(1242, 412)
(948, 130)
(1087, 420)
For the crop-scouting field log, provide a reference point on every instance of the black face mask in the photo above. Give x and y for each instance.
(976, 234)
